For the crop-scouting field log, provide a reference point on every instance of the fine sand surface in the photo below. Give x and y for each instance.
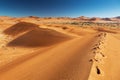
(34, 52)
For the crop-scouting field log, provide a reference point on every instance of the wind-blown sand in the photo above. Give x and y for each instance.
(33, 52)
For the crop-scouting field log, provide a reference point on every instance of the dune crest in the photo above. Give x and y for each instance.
(20, 28)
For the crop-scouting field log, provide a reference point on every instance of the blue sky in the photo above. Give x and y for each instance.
(58, 8)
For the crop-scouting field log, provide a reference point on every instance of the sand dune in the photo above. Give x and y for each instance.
(20, 28)
(32, 35)
(57, 63)
(39, 37)
(33, 51)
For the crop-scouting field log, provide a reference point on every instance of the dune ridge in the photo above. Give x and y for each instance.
(105, 63)
(98, 60)
(20, 27)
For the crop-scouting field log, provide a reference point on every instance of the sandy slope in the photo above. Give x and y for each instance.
(43, 53)
(111, 67)
(108, 63)
(69, 60)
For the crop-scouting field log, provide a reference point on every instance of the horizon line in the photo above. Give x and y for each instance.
(57, 16)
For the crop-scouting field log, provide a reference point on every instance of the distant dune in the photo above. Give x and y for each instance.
(20, 28)
(34, 48)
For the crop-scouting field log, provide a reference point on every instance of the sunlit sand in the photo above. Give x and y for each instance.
(33, 48)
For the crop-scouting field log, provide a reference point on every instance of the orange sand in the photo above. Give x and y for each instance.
(33, 51)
